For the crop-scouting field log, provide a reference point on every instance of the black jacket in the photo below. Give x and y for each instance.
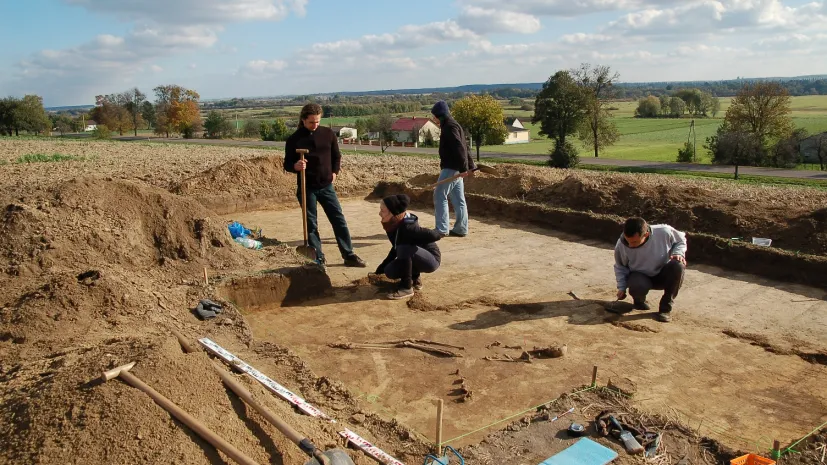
(453, 151)
(410, 233)
(324, 157)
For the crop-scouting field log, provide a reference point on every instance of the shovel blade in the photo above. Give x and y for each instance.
(307, 251)
(335, 456)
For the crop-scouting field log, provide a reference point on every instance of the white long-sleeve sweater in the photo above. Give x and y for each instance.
(663, 242)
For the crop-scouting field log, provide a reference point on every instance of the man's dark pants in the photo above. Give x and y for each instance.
(326, 196)
(669, 280)
(410, 262)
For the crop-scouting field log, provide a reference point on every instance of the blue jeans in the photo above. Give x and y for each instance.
(326, 196)
(454, 190)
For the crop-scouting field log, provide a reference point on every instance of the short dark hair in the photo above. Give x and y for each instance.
(309, 110)
(634, 226)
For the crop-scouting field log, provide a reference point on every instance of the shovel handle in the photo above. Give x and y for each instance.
(285, 429)
(452, 178)
(301, 153)
(194, 424)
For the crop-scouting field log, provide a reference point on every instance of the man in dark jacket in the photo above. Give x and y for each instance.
(321, 166)
(454, 158)
(413, 251)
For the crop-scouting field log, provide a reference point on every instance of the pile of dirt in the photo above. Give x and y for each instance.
(262, 183)
(795, 218)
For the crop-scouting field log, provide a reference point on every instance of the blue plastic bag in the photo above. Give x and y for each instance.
(238, 230)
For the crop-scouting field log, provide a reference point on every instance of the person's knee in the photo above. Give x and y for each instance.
(638, 284)
(675, 268)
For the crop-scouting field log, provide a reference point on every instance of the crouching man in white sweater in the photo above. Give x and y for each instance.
(650, 257)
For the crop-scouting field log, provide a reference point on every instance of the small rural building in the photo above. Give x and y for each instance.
(90, 126)
(404, 128)
(345, 132)
(517, 133)
(809, 147)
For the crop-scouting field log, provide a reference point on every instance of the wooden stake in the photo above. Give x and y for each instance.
(439, 428)
(776, 449)
(594, 376)
(206, 278)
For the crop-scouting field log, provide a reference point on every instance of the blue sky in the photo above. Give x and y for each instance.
(68, 51)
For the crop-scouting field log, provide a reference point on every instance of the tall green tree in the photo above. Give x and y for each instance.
(482, 118)
(763, 109)
(134, 100)
(32, 115)
(597, 130)
(9, 116)
(148, 114)
(560, 107)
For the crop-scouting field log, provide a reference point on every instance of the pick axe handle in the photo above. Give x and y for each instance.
(285, 429)
(187, 419)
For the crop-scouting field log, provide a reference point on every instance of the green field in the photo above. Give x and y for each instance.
(660, 139)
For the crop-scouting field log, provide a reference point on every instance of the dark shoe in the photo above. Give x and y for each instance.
(665, 305)
(417, 284)
(664, 317)
(454, 234)
(641, 305)
(354, 261)
(320, 262)
(401, 293)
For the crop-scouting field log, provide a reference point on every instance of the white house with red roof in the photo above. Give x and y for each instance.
(404, 129)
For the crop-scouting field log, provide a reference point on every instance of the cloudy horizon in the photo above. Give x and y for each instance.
(76, 49)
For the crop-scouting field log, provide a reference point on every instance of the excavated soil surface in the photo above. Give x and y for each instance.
(101, 256)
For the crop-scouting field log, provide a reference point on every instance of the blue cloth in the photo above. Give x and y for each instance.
(238, 230)
(455, 191)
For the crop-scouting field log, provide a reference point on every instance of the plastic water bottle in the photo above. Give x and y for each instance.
(248, 242)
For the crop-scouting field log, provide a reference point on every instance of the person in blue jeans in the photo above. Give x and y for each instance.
(321, 165)
(454, 158)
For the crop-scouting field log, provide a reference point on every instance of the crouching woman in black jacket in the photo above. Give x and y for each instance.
(414, 249)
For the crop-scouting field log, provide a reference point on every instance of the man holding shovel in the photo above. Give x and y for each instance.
(321, 166)
(650, 257)
(454, 159)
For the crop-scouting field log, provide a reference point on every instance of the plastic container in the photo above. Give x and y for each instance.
(763, 242)
(249, 243)
(751, 459)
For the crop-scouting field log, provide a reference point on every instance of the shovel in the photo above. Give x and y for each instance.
(305, 249)
(484, 168)
(328, 457)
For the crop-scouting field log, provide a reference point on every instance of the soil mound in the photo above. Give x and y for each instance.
(87, 221)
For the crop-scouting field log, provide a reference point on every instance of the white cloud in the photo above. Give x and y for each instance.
(195, 11)
(156, 68)
(192, 66)
(569, 8)
(487, 21)
(262, 68)
(723, 16)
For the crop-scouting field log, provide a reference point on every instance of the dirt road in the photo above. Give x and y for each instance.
(511, 285)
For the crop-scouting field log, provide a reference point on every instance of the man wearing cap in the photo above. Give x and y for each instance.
(454, 158)
(413, 248)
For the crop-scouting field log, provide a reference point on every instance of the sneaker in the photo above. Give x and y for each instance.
(401, 293)
(664, 317)
(456, 234)
(354, 261)
(320, 262)
(417, 284)
(641, 305)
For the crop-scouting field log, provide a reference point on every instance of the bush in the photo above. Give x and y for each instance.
(564, 156)
(527, 107)
(101, 132)
(686, 154)
(250, 129)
